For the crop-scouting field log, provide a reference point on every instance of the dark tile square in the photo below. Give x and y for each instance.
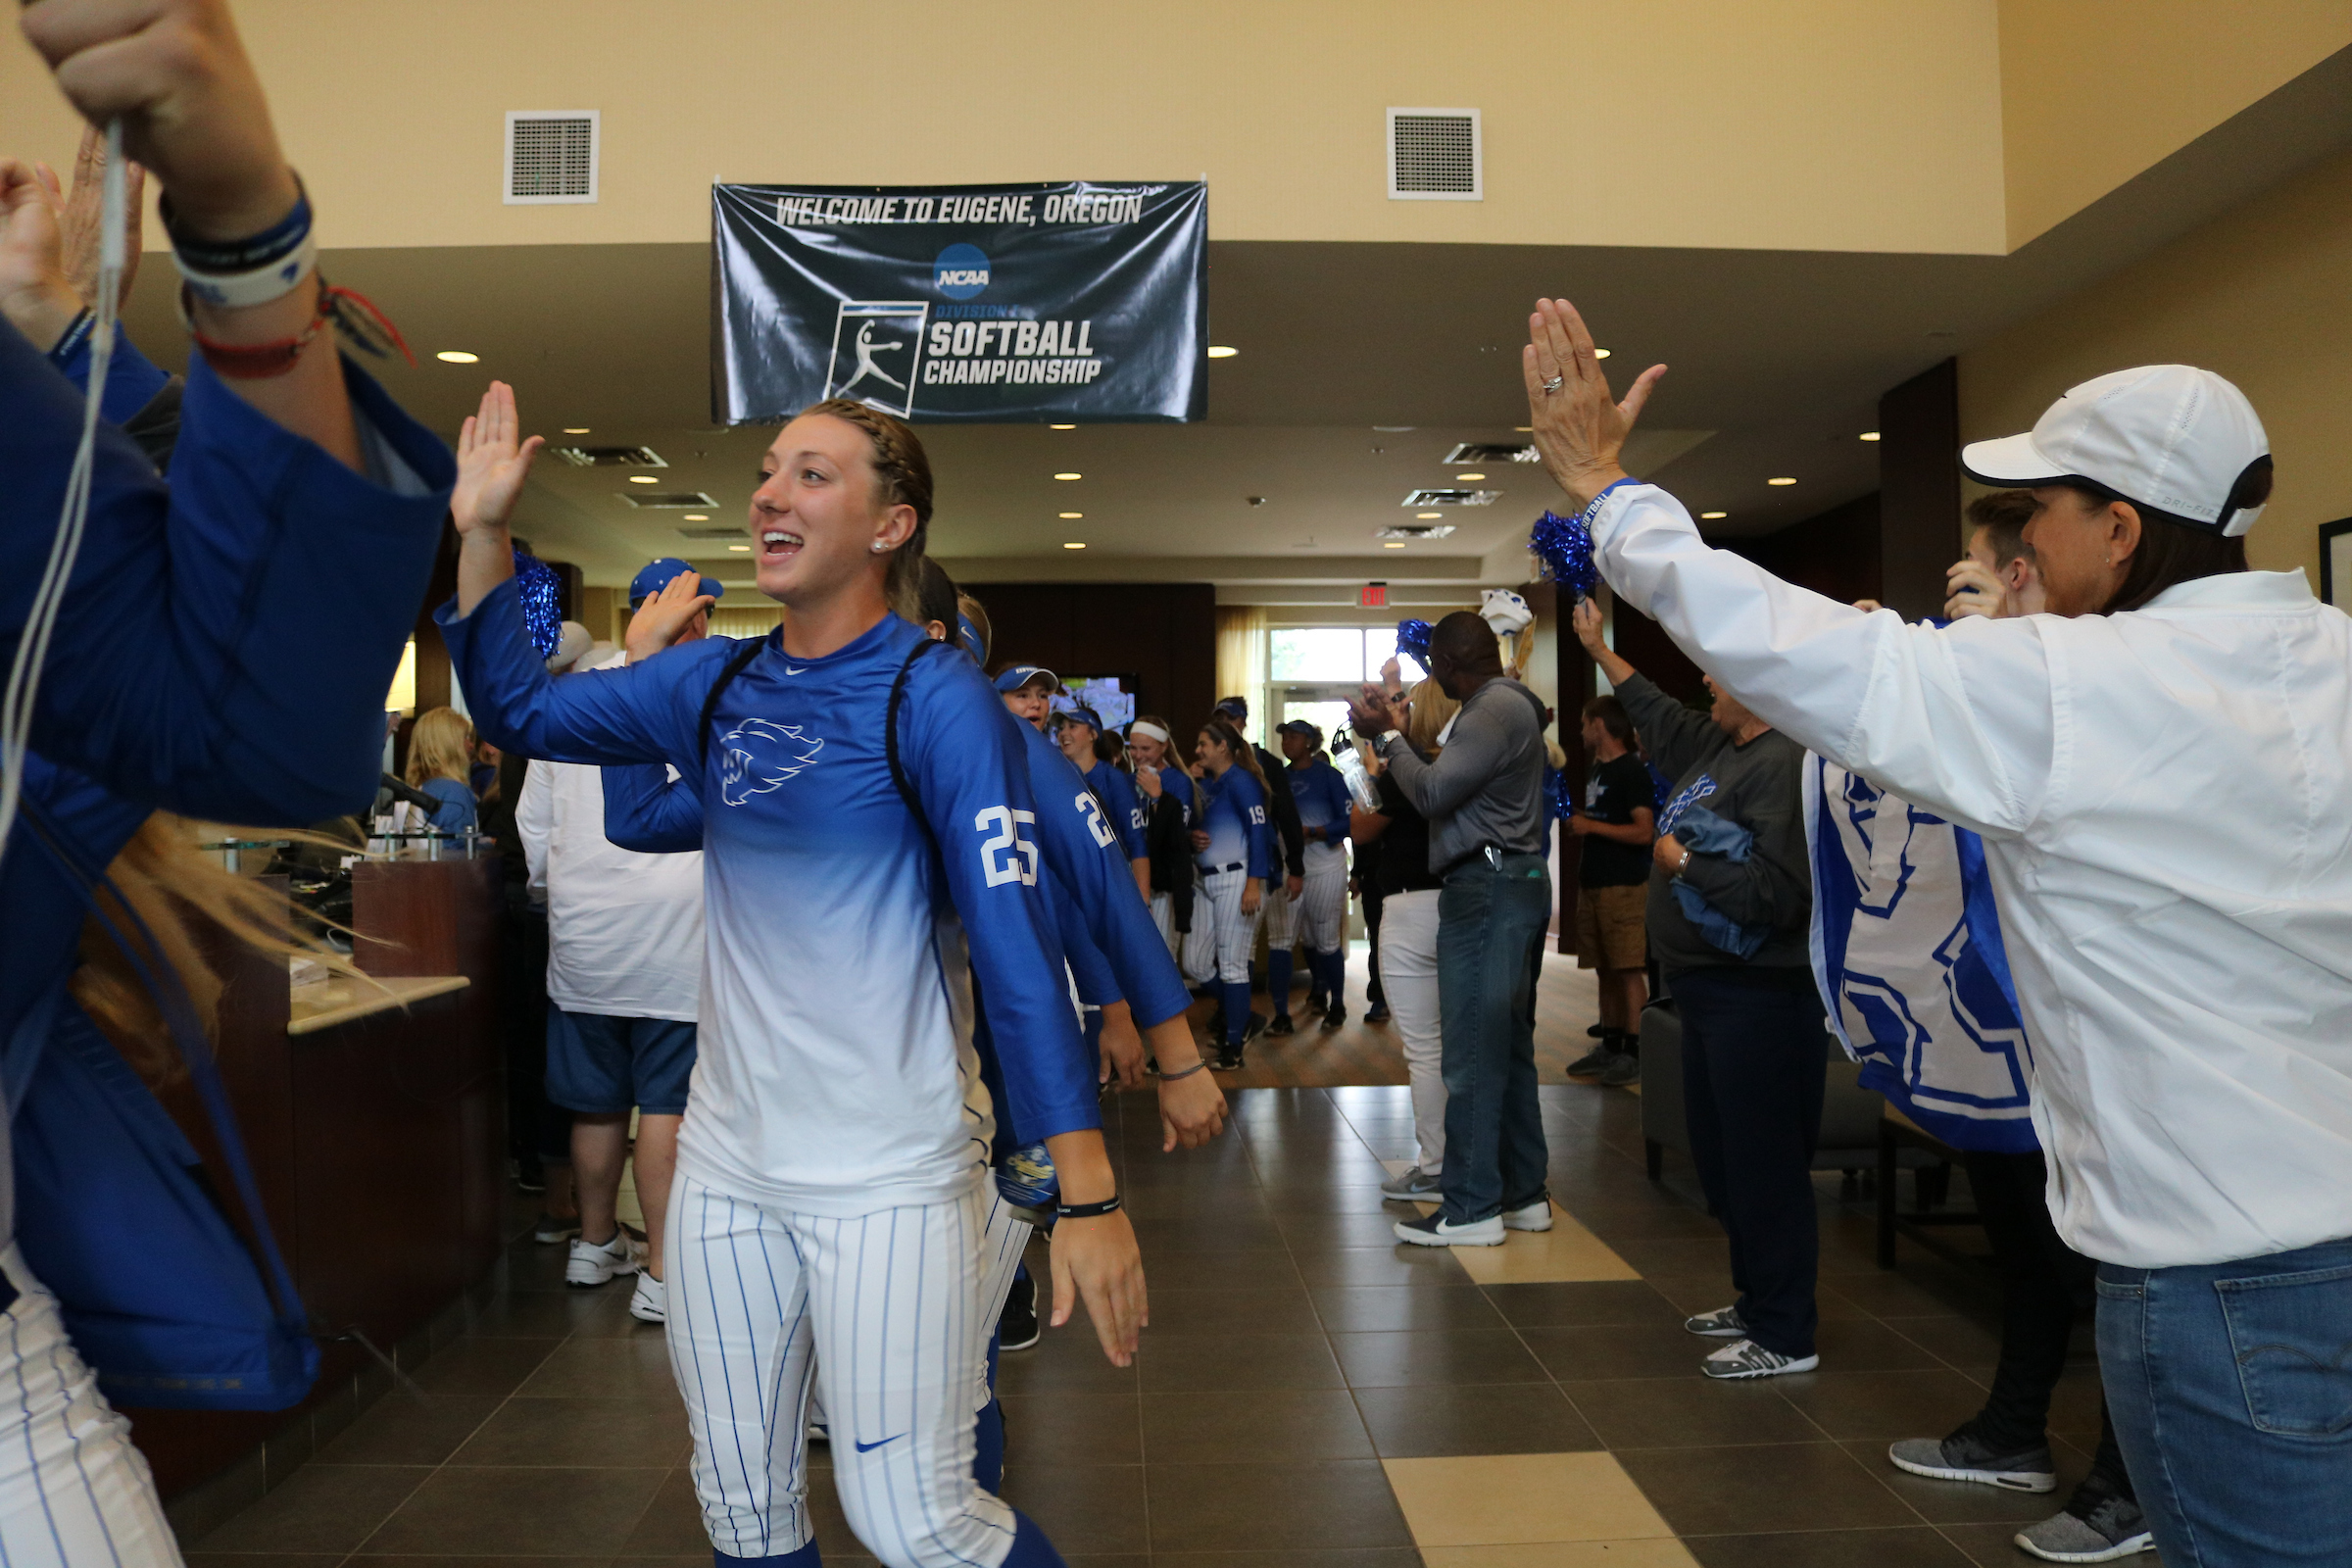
(1433, 1422)
(672, 1525)
(1228, 1311)
(1861, 1345)
(545, 1314)
(1202, 1364)
(1915, 1548)
(1277, 1507)
(1694, 1412)
(1059, 1429)
(591, 1369)
(397, 1430)
(559, 1512)
(1393, 1308)
(1353, 1557)
(1265, 1268)
(1402, 1263)
(495, 1367)
(1582, 1304)
(1083, 1508)
(1883, 1406)
(1322, 1232)
(320, 1508)
(1609, 1351)
(1756, 1491)
(1962, 1343)
(1267, 1425)
(628, 1434)
(1068, 1358)
(1435, 1356)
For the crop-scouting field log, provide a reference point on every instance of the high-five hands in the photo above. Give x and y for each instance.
(1579, 427)
(664, 614)
(493, 462)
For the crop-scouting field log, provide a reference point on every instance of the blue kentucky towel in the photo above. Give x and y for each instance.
(1703, 832)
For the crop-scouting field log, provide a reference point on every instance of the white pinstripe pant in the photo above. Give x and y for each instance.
(884, 1312)
(74, 1492)
(1223, 937)
(1319, 913)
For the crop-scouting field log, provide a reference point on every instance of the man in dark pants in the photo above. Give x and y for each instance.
(1484, 799)
(1728, 921)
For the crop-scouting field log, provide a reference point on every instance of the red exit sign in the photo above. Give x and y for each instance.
(1373, 596)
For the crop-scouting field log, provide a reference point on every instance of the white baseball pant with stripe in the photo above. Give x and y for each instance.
(1281, 912)
(1322, 902)
(1164, 916)
(73, 1491)
(1234, 933)
(884, 1311)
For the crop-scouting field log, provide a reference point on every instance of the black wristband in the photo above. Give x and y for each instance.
(1199, 1066)
(272, 244)
(1108, 1205)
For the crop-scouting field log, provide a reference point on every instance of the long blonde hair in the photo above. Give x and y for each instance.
(166, 878)
(441, 746)
(1432, 710)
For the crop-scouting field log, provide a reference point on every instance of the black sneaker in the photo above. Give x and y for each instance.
(1337, 1017)
(1017, 1327)
(1595, 1030)
(1282, 1025)
(1229, 1059)
(1253, 1028)
(1967, 1456)
(2097, 1524)
(1378, 1012)
(1315, 1002)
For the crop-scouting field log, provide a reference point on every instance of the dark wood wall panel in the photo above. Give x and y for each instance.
(1163, 633)
(1919, 488)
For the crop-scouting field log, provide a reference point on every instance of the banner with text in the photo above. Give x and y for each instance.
(985, 304)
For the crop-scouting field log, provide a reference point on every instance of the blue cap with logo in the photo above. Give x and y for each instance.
(1016, 676)
(655, 575)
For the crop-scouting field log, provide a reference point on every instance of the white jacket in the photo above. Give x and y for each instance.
(2166, 799)
(624, 930)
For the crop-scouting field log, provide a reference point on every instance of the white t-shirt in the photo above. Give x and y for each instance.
(624, 930)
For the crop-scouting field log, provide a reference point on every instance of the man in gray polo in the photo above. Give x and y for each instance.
(1482, 793)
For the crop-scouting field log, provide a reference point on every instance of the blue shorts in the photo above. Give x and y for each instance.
(603, 1066)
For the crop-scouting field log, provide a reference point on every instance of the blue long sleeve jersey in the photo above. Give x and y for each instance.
(1322, 797)
(835, 1073)
(1117, 791)
(276, 588)
(1234, 820)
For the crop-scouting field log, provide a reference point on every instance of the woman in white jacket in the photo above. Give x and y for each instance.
(2161, 769)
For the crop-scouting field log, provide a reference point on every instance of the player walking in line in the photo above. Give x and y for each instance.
(867, 862)
(1083, 742)
(1171, 804)
(1320, 910)
(1233, 853)
(1028, 692)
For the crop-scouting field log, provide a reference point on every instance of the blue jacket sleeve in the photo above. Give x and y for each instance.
(1098, 906)
(963, 751)
(276, 589)
(131, 378)
(1126, 812)
(457, 811)
(639, 713)
(1335, 801)
(650, 812)
(1089, 971)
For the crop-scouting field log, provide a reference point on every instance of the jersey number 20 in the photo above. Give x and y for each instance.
(1094, 818)
(1007, 857)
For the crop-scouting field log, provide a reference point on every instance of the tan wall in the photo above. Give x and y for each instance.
(2097, 91)
(1831, 124)
(2258, 295)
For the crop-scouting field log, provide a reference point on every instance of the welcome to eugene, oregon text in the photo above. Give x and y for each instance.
(1085, 207)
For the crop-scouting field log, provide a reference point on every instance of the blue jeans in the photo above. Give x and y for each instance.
(1491, 924)
(2232, 1388)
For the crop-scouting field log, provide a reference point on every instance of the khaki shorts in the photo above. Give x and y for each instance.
(1611, 927)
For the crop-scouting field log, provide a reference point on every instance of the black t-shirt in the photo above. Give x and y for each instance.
(1616, 791)
(1403, 843)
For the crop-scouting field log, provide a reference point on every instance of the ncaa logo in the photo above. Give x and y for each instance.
(960, 272)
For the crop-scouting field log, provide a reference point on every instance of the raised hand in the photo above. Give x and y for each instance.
(1373, 712)
(35, 295)
(492, 463)
(664, 614)
(1579, 427)
(1972, 589)
(1585, 619)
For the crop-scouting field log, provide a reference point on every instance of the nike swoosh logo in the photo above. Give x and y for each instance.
(791, 669)
(869, 1447)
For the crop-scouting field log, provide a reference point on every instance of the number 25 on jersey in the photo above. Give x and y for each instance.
(1007, 857)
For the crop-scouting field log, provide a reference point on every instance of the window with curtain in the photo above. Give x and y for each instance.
(1312, 671)
(1241, 661)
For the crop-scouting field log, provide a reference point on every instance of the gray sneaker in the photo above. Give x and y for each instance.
(1965, 1456)
(2096, 1527)
(1745, 1358)
(1724, 1323)
(1409, 1184)
(1592, 1062)
(1623, 1068)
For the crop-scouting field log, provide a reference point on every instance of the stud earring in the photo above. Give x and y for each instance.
(879, 546)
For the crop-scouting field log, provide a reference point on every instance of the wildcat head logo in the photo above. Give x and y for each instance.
(758, 756)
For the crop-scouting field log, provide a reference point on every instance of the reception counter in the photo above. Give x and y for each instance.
(374, 1114)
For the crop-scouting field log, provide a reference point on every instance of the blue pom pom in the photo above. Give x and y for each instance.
(1557, 796)
(1565, 547)
(542, 617)
(1412, 640)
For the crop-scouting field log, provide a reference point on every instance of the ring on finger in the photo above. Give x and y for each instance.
(1555, 384)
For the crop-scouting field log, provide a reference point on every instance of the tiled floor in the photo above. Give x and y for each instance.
(1310, 1395)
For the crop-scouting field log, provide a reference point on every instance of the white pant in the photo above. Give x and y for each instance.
(1409, 978)
(74, 1492)
(1223, 937)
(884, 1312)
(1322, 901)
(1163, 916)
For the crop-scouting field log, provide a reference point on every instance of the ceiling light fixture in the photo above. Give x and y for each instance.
(1218, 351)
(1062, 427)
(741, 550)
(1070, 476)
(575, 430)
(1073, 546)
(1870, 435)
(697, 517)
(644, 478)
(1427, 517)
(1394, 544)
(1469, 478)
(1780, 481)
(1710, 516)
(1524, 429)
(1072, 516)
(458, 357)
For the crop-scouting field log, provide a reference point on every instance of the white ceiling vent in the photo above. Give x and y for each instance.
(551, 155)
(1434, 156)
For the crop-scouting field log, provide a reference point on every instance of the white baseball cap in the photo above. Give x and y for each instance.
(2169, 437)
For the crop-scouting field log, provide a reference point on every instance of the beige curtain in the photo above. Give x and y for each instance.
(1242, 660)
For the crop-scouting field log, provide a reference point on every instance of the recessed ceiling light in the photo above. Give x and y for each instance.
(1062, 427)
(1468, 479)
(1072, 516)
(1429, 517)
(458, 357)
(1709, 517)
(1070, 476)
(697, 517)
(1073, 546)
(575, 430)
(1870, 435)
(1780, 481)
(1601, 354)
(1218, 351)
(741, 550)
(642, 478)
(1524, 429)
(1394, 544)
